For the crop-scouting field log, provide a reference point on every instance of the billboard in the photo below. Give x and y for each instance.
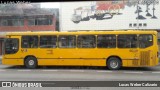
(110, 15)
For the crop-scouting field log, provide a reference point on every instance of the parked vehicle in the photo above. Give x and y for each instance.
(97, 10)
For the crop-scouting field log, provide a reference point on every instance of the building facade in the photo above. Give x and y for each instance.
(28, 19)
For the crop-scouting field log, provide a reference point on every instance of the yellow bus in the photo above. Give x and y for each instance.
(113, 49)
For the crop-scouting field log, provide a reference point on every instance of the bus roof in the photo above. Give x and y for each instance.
(83, 32)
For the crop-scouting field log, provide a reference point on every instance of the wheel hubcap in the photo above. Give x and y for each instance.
(31, 62)
(114, 64)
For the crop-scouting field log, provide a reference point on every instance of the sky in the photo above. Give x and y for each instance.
(50, 5)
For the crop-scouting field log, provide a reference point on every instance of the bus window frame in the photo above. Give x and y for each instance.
(58, 44)
(46, 47)
(30, 47)
(18, 45)
(95, 35)
(125, 47)
(106, 47)
(148, 46)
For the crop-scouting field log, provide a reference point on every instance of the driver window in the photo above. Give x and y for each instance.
(11, 46)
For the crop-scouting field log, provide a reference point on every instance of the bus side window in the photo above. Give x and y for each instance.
(11, 45)
(145, 41)
(29, 41)
(106, 41)
(67, 41)
(48, 41)
(127, 41)
(86, 41)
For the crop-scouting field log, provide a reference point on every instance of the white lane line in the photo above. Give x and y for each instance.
(76, 70)
(155, 72)
(49, 70)
(2, 70)
(23, 70)
(105, 71)
(134, 72)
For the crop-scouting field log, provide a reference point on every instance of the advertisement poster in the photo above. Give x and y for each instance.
(110, 15)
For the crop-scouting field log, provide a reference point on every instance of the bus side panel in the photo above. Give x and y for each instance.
(72, 62)
(13, 61)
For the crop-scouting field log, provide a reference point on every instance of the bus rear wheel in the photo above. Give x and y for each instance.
(30, 62)
(114, 63)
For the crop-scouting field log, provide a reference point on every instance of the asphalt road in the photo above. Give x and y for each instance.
(16, 73)
(54, 73)
(13, 73)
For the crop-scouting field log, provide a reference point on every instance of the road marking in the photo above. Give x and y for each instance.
(24, 70)
(155, 72)
(49, 70)
(105, 71)
(134, 72)
(76, 70)
(2, 70)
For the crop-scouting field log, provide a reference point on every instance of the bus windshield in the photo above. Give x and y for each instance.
(11, 46)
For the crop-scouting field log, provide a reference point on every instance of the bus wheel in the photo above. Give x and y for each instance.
(114, 63)
(31, 62)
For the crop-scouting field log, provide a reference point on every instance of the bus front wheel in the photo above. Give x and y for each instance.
(31, 62)
(114, 63)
